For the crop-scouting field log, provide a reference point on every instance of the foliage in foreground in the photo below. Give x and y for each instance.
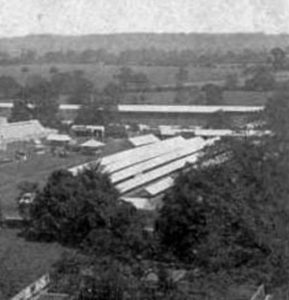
(84, 211)
(234, 215)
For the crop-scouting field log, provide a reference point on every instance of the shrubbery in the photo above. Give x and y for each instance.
(234, 215)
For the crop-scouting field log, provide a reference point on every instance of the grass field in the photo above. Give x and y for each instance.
(34, 170)
(21, 262)
(100, 75)
(38, 168)
(246, 98)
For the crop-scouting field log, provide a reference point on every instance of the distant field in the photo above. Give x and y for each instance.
(245, 98)
(21, 262)
(229, 98)
(101, 75)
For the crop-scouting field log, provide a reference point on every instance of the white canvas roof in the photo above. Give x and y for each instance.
(88, 127)
(160, 172)
(92, 143)
(143, 140)
(59, 137)
(164, 108)
(168, 130)
(155, 174)
(23, 131)
(186, 108)
(159, 186)
(126, 158)
(214, 132)
(228, 132)
(179, 151)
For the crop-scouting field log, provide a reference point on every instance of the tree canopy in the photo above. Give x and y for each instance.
(20, 111)
(213, 94)
(233, 213)
(84, 211)
(69, 206)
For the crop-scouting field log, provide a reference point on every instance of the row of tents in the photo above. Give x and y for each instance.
(143, 173)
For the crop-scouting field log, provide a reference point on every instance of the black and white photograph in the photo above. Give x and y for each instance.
(144, 150)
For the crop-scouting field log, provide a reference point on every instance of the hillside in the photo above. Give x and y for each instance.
(119, 42)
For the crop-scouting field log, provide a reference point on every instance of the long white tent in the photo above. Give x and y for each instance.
(138, 108)
(133, 156)
(184, 149)
(124, 154)
(145, 178)
(155, 174)
(126, 158)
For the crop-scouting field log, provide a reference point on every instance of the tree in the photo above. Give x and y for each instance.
(262, 80)
(74, 84)
(279, 58)
(53, 70)
(219, 120)
(233, 213)
(20, 111)
(124, 77)
(69, 207)
(102, 107)
(214, 94)
(82, 92)
(127, 78)
(44, 101)
(9, 87)
(231, 82)
(24, 69)
(139, 81)
(181, 77)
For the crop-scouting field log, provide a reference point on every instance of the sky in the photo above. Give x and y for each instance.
(77, 17)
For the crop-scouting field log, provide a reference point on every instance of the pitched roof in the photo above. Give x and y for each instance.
(143, 140)
(20, 131)
(92, 143)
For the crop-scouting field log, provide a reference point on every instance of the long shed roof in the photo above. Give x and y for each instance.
(158, 173)
(129, 157)
(184, 149)
(187, 108)
(138, 108)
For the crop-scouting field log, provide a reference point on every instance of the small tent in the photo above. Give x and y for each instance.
(143, 140)
(91, 146)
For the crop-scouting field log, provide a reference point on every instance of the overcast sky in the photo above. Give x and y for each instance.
(21, 17)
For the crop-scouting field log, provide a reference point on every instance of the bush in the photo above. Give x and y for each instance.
(227, 216)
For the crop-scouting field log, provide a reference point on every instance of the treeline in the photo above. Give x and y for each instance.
(116, 43)
(39, 98)
(142, 57)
